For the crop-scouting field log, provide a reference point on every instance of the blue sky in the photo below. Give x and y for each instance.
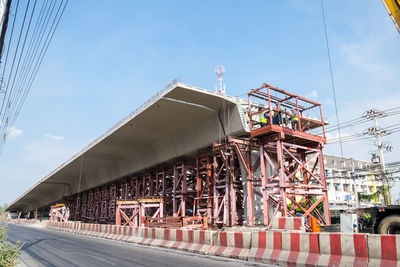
(108, 57)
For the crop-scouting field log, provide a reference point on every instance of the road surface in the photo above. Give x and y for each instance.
(52, 248)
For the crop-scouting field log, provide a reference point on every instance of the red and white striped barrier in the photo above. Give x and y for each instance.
(232, 245)
(107, 231)
(177, 237)
(99, 230)
(300, 249)
(288, 224)
(112, 233)
(266, 246)
(118, 234)
(63, 227)
(135, 238)
(163, 238)
(92, 229)
(84, 229)
(70, 226)
(148, 236)
(126, 233)
(273, 247)
(76, 227)
(341, 249)
(384, 250)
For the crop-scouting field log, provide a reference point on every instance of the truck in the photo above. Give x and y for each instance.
(379, 220)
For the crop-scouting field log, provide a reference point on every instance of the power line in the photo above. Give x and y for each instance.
(330, 69)
(12, 68)
(41, 56)
(29, 52)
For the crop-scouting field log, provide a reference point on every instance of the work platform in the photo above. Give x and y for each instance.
(288, 135)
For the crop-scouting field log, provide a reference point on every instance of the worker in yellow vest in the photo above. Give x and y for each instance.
(264, 119)
(295, 120)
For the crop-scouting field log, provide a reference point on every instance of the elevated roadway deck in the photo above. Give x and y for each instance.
(177, 122)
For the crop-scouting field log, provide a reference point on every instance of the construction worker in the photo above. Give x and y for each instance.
(277, 115)
(264, 119)
(295, 120)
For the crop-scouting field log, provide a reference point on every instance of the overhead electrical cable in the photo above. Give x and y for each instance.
(9, 91)
(41, 57)
(331, 73)
(12, 91)
(24, 55)
(6, 60)
(25, 74)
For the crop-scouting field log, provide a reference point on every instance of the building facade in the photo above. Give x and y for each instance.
(346, 177)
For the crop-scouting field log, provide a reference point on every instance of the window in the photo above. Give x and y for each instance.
(344, 164)
(360, 165)
(346, 187)
(337, 186)
(333, 161)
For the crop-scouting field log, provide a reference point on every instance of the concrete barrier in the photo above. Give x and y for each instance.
(232, 245)
(384, 250)
(177, 237)
(84, 229)
(107, 231)
(163, 238)
(272, 247)
(92, 229)
(70, 227)
(266, 246)
(77, 226)
(113, 232)
(341, 249)
(203, 240)
(126, 233)
(288, 224)
(99, 232)
(148, 236)
(135, 235)
(299, 249)
(120, 234)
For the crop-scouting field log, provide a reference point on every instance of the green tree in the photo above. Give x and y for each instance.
(2, 211)
(9, 252)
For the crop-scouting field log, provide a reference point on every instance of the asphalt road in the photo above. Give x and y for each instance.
(52, 248)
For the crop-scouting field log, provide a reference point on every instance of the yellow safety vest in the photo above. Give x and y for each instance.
(263, 119)
(294, 117)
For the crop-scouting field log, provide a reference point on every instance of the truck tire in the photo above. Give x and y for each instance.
(390, 225)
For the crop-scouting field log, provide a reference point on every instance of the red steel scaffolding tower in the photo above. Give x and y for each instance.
(291, 158)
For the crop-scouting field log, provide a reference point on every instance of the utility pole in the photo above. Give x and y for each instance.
(4, 23)
(378, 133)
(354, 182)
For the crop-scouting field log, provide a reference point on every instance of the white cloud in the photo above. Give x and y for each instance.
(54, 137)
(313, 94)
(14, 132)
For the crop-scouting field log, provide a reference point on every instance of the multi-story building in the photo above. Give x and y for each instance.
(346, 177)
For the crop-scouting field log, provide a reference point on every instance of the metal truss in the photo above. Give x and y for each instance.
(59, 213)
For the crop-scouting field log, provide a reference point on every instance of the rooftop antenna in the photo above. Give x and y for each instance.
(220, 70)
